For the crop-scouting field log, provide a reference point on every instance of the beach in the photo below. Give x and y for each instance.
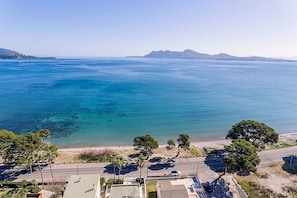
(67, 155)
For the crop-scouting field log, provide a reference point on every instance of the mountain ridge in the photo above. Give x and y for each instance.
(191, 54)
(10, 54)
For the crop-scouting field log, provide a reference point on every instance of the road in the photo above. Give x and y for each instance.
(203, 166)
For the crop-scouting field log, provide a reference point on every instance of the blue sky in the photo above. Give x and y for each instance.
(133, 27)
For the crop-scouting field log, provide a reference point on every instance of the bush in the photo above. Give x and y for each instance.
(140, 180)
(114, 181)
(102, 181)
(96, 156)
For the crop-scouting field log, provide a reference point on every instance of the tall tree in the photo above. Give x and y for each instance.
(113, 157)
(259, 134)
(6, 140)
(140, 163)
(183, 142)
(120, 163)
(242, 157)
(146, 144)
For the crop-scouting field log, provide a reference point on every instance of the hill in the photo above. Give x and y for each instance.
(190, 54)
(10, 54)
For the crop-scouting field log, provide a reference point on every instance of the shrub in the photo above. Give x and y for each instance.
(96, 156)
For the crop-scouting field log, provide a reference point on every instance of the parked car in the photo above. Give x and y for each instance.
(175, 173)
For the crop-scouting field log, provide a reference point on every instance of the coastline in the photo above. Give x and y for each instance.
(216, 143)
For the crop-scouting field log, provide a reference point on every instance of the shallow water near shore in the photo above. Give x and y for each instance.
(109, 101)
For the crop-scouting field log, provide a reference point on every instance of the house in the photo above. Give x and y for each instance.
(83, 186)
(126, 191)
(180, 188)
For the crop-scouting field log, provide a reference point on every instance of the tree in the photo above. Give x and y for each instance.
(146, 144)
(6, 140)
(120, 163)
(242, 157)
(183, 142)
(113, 157)
(259, 134)
(29, 149)
(140, 163)
(170, 143)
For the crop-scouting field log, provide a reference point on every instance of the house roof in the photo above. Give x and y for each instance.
(86, 186)
(130, 190)
(167, 190)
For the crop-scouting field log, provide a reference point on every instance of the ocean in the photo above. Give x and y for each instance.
(109, 101)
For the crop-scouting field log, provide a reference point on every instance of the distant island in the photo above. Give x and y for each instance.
(10, 54)
(190, 54)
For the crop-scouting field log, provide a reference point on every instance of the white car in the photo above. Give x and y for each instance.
(175, 173)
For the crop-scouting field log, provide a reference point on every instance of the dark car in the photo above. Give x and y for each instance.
(208, 187)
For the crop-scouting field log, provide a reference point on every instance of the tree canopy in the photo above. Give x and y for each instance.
(146, 144)
(242, 157)
(259, 134)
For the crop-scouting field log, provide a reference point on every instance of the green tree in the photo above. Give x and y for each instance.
(120, 163)
(146, 144)
(113, 157)
(171, 144)
(140, 163)
(183, 142)
(29, 149)
(259, 134)
(6, 140)
(242, 157)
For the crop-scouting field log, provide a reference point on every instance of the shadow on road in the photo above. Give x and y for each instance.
(160, 166)
(214, 160)
(290, 164)
(128, 169)
(10, 172)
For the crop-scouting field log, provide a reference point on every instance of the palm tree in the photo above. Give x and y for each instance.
(120, 163)
(140, 163)
(114, 157)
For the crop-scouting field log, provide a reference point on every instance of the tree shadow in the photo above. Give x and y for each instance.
(215, 163)
(125, 170)
(10, 173)
(290, 164)
(160, 166)
(220, 188)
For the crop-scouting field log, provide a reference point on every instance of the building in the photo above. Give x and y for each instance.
(126, 191)
(180, 188)
(83, 186)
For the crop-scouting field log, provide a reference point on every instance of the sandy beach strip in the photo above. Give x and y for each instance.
(287, 137)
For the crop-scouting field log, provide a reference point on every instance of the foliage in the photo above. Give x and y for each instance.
(114, 181)
(242, 157)
(146, 144)
(254, 190)
(259, 134)
(151, 189)
(140, 163)
(118, 161)
(19, 189)
(170, 143)
(102, 181)
(194, 152)
(183, 141)
(140, 180)
(96, 156)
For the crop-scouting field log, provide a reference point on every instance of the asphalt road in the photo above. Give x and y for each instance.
(203, 166)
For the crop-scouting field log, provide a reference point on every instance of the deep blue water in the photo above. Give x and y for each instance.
(109, 101)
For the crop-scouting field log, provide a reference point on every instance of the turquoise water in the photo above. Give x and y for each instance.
(109, 101)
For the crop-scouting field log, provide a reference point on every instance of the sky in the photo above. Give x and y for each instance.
(118, 28)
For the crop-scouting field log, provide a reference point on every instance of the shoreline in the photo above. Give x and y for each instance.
(215, 143)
